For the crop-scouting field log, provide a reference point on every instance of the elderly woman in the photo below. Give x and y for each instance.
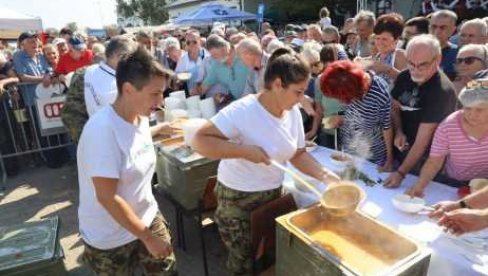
(247, 135)
(470, 59)
(330, 107)
(366, 130)
(311, 110)
(389, 61)
(51, 54)
(460, 141)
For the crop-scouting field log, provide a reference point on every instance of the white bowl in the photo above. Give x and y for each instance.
(408, 204)
(310, 146)
(340, 162)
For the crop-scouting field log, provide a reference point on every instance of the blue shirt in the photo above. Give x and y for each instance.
(27, 65)
(448, 62)
(233, 78)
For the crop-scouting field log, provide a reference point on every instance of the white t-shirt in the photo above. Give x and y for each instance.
(100, 87)
(111, 147)
(247, 122)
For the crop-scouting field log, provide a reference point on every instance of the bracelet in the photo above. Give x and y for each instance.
(400, 173)
(463, 204)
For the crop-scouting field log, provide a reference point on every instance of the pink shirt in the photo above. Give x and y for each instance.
(467, 158)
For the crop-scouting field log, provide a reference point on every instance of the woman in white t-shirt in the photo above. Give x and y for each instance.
(119, 219)
(247, 135)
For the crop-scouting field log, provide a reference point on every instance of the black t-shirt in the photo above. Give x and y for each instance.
(430, 102)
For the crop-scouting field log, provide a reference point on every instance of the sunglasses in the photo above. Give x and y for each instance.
(189, 42)
(475, 84)
(468, 60)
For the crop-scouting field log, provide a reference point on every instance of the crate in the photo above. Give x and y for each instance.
(299, 251)
(183, 178)
(31, 248)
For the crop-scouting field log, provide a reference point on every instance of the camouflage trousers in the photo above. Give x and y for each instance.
(132, 258)
(233, 219)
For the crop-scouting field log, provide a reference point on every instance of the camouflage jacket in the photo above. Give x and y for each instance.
(74, 115)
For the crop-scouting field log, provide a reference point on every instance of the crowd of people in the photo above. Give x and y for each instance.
(410, 96)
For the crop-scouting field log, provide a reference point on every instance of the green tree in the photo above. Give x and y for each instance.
(152, 12)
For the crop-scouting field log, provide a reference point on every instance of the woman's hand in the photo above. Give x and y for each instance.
(394, 180)
(255, 154)
(387, 167)
(379, 67)
(401, 142)
(157, 247)
(415, 191)
(443, 207)
(464, 220)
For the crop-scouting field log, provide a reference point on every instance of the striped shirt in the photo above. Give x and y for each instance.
(467, 157)
(365, 120)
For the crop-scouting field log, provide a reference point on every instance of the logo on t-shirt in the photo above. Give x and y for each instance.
(410, 100)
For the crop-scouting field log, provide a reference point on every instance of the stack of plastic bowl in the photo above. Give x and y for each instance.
(208, 108)
(172, 103)
(193, 105)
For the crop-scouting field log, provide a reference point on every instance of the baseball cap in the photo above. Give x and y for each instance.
(290, 33)
(59, 40)
(77, 42)
(26, 35)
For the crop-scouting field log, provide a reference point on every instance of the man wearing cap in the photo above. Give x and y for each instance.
(31, 66)
(61, 44)
(77, 57)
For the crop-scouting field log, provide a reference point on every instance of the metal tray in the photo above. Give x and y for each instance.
(356, 242)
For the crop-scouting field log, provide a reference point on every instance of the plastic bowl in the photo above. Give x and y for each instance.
(310, 146)
(408, 204)
(340, 159)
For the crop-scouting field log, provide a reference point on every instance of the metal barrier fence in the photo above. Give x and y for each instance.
(29, 129)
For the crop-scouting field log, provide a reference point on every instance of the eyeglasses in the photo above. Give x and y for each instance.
(475, 84)
(189, 42)
(420, 66)
(316, 64)
(468, 60)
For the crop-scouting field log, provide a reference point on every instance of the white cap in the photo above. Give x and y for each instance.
(59, 40)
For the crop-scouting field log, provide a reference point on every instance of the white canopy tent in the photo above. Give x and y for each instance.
(12, 23)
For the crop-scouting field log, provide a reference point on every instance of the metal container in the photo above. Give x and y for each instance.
(311, 242)
(182, 173)
(31, 248)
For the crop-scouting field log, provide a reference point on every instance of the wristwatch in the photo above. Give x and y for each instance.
(463, 204)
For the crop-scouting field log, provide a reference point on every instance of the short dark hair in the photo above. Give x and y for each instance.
(65, 31)
(287, 65)
(390, 23)
(138, 68)
(328, 53)
(419, 22)
(120, 45)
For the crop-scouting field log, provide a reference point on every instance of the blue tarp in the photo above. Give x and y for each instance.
(208, 13)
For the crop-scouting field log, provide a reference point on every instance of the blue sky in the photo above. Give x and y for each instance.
(56, 13)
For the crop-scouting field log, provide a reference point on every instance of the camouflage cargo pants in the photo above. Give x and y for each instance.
(132, 257)
(233, 219)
